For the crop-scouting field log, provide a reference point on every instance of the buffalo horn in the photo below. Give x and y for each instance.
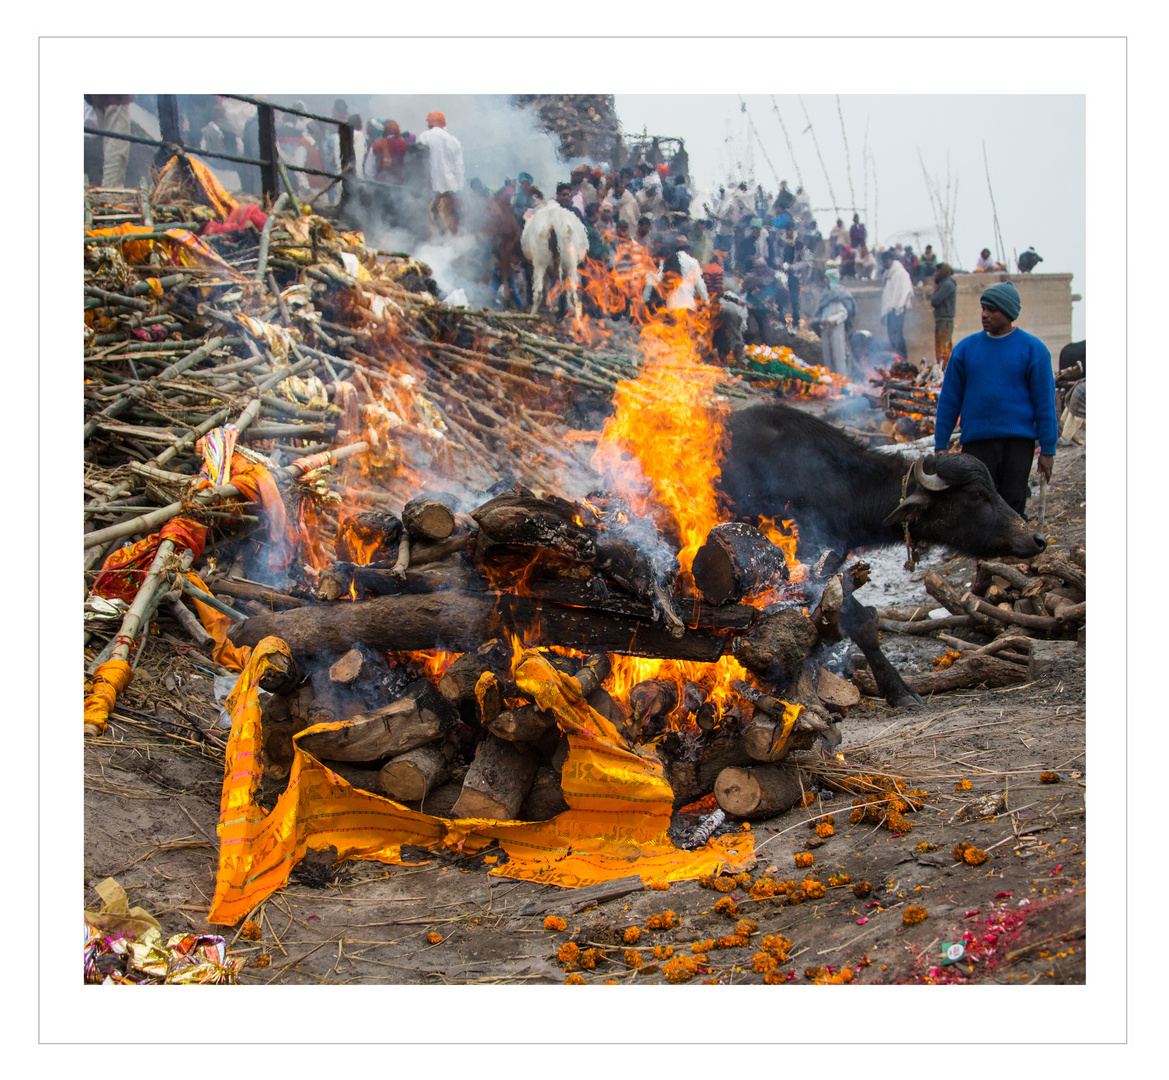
(929, 481)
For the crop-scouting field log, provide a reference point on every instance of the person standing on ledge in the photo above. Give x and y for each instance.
(1001, 384)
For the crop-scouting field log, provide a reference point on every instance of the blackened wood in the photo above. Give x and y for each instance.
(460, 620)
(777, 646)
(735, 561)
(458, 684)
(526, 521)
(692, 774)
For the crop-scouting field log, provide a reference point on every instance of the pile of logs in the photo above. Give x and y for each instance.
(1006, 606)
(470, 583)
(908, 399)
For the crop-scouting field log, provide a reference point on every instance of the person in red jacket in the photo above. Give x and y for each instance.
(389, 154)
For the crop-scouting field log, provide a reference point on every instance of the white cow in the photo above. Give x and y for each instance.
(555, 242)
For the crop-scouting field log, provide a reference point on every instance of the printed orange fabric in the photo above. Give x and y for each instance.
(179, 246)
(217, 624)
(123, 571)
(254, 481)
(619, 808)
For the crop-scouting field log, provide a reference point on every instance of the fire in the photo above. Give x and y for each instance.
(786, 537)
(433, 663)
(662, 449)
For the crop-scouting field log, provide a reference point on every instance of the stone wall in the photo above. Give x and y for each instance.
(1046, 311)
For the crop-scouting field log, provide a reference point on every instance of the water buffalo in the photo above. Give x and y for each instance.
(783, 462)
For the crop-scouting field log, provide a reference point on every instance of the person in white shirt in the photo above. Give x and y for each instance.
(691, 287)
(446, 173)
(896, 297)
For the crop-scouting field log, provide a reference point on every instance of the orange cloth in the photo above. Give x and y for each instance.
(619, 808)
(217, 624)
(180, 247)
(110, 679)
(215, 193)
(123, 571)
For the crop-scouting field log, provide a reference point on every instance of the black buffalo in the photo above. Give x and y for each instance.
(785, 463)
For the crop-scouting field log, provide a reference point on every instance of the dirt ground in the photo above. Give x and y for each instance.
(152, 788)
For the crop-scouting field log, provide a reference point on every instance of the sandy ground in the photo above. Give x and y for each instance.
(152, 800)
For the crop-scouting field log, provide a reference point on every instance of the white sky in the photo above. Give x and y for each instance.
(45, 81)
(1035, 150)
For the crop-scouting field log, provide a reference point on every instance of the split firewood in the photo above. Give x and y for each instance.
(429, 517)
(458, 619)
(826, 615)
(777, 646)
(489, 697)
(1015, 577)
(525, 723)
(827, 564)
(247, 590)
(694, 696)
(758, 791)
(926, 626)
(497, 781)
(949, 597)
(545, 798)
(1012, 642)
(691, 767)
(735, 561)
(357, 664)
(601, 701)
(1051, 563)
(975, 605)
(639, 559)
(414, 720)
(402, 563)
(707, 716)
(410, 776)
(964, 674)
(526, 521)
(458, 684)
(837, 695)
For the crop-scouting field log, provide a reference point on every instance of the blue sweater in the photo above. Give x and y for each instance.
(1002, 387)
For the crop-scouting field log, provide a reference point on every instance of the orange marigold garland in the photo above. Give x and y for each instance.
(555, 922)
(804, 858)
(764, 962)
(667, 920)
(632, 958)
(574, 980)
(726, 906)
(813, 889)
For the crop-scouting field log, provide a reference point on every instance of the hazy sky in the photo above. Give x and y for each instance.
(1035, 151)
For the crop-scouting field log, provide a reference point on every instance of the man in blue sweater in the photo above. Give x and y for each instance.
(1000, 381)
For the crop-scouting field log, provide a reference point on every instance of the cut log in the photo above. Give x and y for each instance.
(1051, 563)
(977, 606)
(458, 684)
(600, 701)
(735, 561)
(416, 719)
(837, 695)
(639, 559)
(410, 776)
(524, 724)
(550, 524)
(964, 674)
(246, 590)
(546, 798)
(758, 791)
(593, 673)
(460, 620)
(429, 517)
(926, 626)
(776, 647)
(949, 597)
(764, 740)
(692, 767)
(497, 781)
(826, 615)
(1013, 577)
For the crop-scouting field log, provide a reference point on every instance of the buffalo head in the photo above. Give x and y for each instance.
(950, 499)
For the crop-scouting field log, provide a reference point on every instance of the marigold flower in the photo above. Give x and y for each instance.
(774, 978)
(727, 906)
(824, 829)
(925, 846)
(839, 879)
(764, 962)
(963, 785)
(974, 856)
(679, 969)
(898, 823)
(813, 889)
(797, 896)
(555, 922)
(862, 889)
(588, 959)
(663, 952)
(632, 933)
(775, 944)
(632, 958)
(434, 937)
(804, 858)
(746, 927)
(250, 930)
(702, 945)
(730, 941)
(262, 960)
(1049, 778)
(913, 915)
(574, 980)
(667, 920)
(568, 953)
(658, 886)
(960, 851)
(808, 799)
(857, 816)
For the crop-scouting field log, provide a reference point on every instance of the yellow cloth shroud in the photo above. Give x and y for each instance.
(619, 808)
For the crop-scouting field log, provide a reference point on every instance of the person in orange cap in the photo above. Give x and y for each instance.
(446, 173)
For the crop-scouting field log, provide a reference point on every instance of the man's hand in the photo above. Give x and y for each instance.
(1045, 463)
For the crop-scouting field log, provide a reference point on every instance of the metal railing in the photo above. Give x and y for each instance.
(269, 161)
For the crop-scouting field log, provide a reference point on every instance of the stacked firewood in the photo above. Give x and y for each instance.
(908, 398)
(1007, 605)
(595, 587)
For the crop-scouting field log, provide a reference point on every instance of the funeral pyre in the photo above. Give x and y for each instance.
(289, 432)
